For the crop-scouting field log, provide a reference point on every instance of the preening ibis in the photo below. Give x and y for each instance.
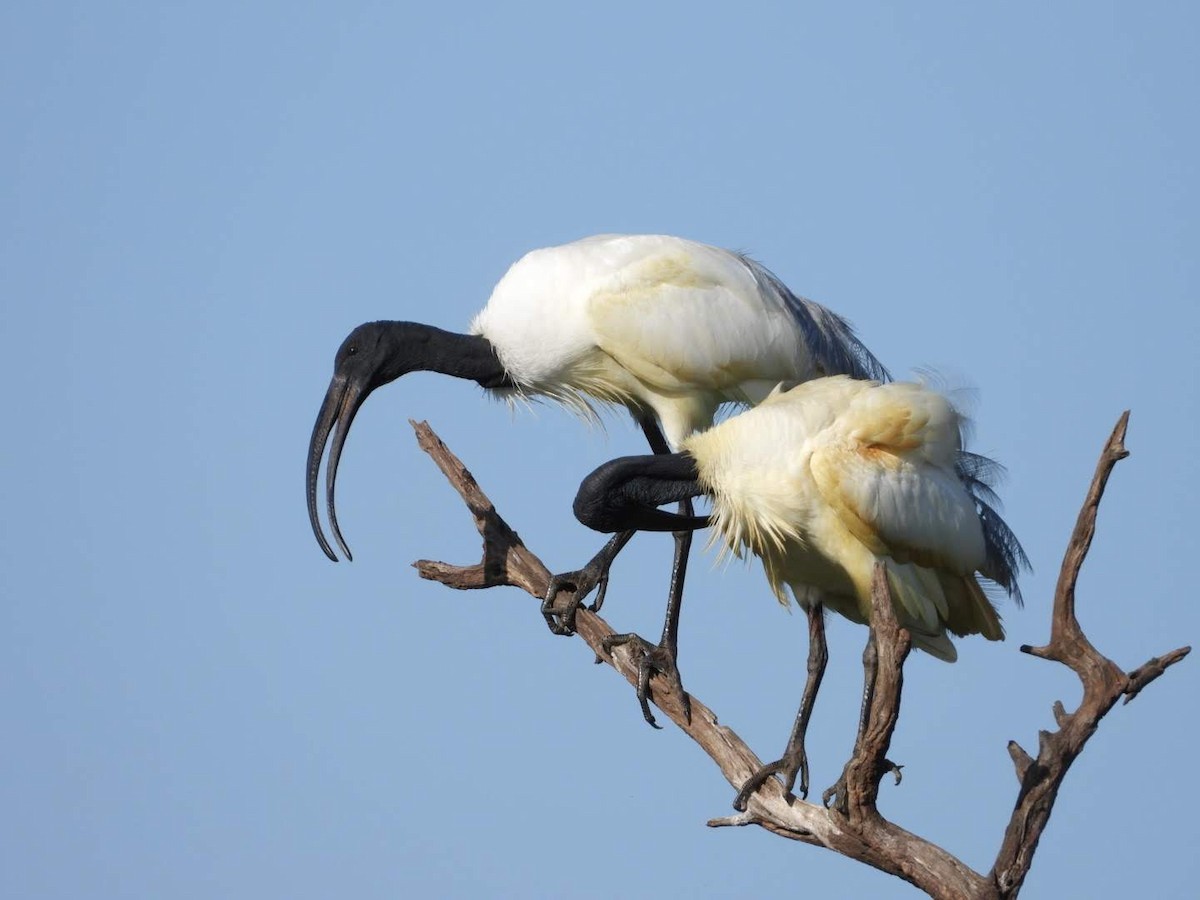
(668, 328)
(820, 481)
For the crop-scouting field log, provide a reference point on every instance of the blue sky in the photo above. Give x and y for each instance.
(201, 199)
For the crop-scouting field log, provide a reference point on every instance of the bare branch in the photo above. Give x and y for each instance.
(744, 818)
(507, 561)
(1148, 671)
(857, 829)
(1067, 641)
(1021, 760)
(883, 670)
(1103, 684)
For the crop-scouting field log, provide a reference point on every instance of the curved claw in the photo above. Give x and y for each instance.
(561, 619)
(600, 594)
(643, 691)
(836, 790)
(837, 793)
(789, 779)
(789, 767)
(581, 582)
(652, 659)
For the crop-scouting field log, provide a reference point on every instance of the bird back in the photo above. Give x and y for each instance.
(827, 478)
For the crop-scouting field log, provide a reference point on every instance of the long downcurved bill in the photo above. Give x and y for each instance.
(342, 401)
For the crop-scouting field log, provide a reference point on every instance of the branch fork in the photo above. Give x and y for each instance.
(855, 827)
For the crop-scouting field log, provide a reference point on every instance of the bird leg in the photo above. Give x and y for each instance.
(870, 672)
(580, 583)
(661, 658)
(795, 759)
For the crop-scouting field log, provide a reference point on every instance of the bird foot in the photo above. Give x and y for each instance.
(652, 659)
(561, 619)
(793, 763)
(835, 797)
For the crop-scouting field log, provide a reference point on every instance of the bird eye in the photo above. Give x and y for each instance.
(351, 351)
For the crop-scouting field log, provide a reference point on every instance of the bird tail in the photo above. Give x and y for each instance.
(938, 645)
(1005, 555)
(929, 602)
(970, 611)
(921, 607)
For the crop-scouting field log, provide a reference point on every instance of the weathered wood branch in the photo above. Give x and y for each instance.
(883, 665)
(855, 828)
(507, 561)
(1104, 682)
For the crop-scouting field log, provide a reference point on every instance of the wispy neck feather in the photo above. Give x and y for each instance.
(423, 348)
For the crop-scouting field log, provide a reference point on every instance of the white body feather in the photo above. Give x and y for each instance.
(659, 324)
(823, 480)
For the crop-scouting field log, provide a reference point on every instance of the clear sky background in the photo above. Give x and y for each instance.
(199, 200)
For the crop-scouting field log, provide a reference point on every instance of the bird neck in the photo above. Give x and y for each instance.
(625, 494)
(423, 348)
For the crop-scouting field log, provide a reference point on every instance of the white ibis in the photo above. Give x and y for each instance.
(668, 328)
(821, 481)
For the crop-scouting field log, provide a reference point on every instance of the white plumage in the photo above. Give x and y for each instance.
(668, 328)
(659, 324)
(822, 480)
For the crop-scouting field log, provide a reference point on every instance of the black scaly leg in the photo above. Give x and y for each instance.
(583, 581)
(579, 584)
(795, 759)
(834, 797)
(661, 658)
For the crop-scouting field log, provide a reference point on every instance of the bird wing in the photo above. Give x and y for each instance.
(683, 316)
(830, 340)
(887, 467)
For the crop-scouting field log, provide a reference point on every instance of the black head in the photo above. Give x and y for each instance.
(624, 494)
(370, 356)
(373, 355)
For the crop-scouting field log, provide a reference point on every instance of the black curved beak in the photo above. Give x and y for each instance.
(342, 400)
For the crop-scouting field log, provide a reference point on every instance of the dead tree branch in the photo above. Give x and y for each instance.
(1103, 684)
(883, 665)
(854, 828)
